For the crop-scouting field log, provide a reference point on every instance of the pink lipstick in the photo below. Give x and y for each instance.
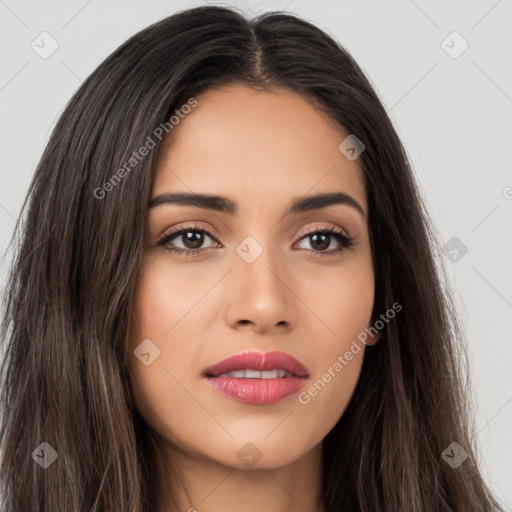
(257, 378)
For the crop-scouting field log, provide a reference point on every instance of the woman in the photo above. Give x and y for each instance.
(226, 294)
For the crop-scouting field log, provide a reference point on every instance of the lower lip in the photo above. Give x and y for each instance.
(256, 391)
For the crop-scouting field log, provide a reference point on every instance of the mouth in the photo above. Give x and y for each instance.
(257, 378)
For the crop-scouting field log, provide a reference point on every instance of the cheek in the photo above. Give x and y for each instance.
(346, 309)
(163, 322)
(166, 294)
(157, 303)
(343, 300)
(322, 403)
(159, 388)
(344, 305)
(349, 309)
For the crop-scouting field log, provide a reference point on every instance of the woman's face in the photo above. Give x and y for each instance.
(259, 277)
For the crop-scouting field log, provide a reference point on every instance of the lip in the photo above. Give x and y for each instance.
(257, 391)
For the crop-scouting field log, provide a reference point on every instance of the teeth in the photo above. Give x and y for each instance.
(255, 374)
(239, 374)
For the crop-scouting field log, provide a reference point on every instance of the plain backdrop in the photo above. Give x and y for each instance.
(442, 69)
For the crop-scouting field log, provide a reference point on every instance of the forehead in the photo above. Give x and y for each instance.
(266, 145)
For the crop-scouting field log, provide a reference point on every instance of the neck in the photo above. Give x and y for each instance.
(205, 485)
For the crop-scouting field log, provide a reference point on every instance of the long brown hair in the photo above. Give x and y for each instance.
(78, 250)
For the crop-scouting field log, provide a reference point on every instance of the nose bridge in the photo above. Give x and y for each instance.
(258, 263)
(260, 292)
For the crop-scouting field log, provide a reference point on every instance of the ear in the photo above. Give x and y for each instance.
(372, 339)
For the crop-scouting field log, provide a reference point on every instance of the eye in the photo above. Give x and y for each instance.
(193, 237)
(321, 239)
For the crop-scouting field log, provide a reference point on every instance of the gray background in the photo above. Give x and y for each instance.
(454, 116)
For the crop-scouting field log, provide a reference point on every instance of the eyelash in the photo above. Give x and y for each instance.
(345, 241)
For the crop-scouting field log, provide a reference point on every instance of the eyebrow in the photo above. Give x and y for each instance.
(226, 205)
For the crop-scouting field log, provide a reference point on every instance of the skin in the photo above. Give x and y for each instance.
(261, 150)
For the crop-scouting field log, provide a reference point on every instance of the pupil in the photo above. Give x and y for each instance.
(194, 238)
(324, 243)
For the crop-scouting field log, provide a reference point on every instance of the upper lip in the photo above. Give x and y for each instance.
(251, 360)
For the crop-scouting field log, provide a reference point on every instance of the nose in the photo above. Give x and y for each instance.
(261, 296)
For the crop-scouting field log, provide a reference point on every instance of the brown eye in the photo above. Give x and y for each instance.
(321, 239)
(191, 237)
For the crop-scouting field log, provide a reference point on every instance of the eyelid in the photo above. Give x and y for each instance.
(315, 229)
(189, 226)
